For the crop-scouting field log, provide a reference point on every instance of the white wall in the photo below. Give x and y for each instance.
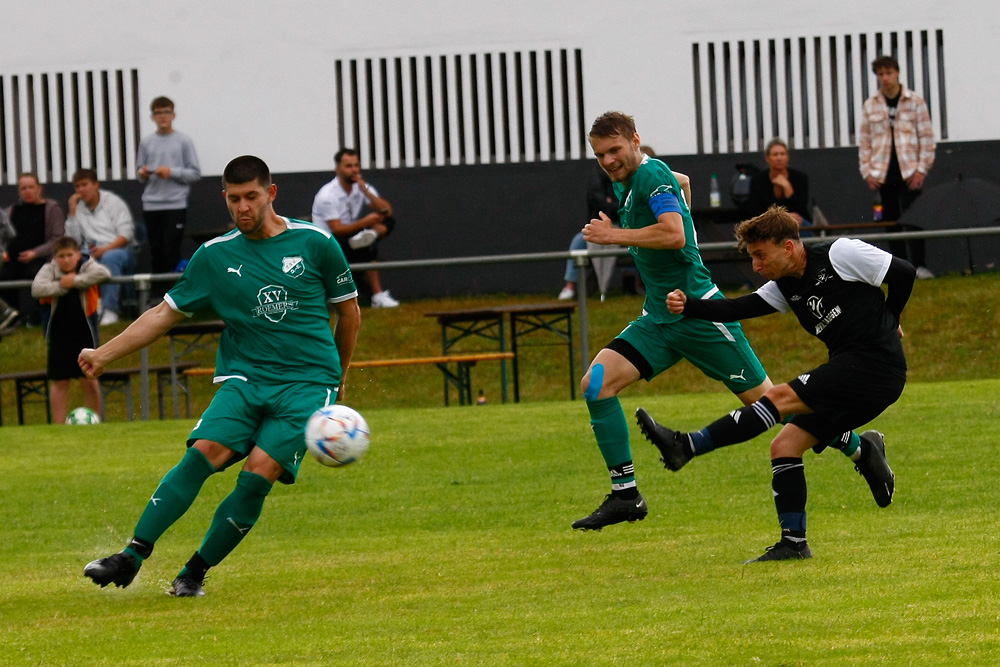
(255, 77)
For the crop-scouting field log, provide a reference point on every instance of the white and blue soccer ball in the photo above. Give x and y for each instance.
(82, 416)
(337, 435)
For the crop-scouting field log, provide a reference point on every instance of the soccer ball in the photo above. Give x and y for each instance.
(337, 435)
(82, 416)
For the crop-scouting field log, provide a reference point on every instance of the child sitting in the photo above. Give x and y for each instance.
(70, 281)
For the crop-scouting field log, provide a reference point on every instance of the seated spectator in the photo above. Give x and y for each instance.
(338, 206)
(102, 223)
(69, 282)
(779, 185)
(37, 222)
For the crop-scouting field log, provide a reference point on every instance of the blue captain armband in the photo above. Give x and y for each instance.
(664, 202)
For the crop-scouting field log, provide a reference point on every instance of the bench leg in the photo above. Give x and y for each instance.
(461, 378)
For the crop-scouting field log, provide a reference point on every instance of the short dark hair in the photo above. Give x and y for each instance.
(161, 102)
(613, 124)
(775, 224)
(64, 242)
(884, 61)
(244, 169)
(85, 175)
(339, 155)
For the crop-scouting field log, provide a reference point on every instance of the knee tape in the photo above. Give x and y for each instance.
(595, 384)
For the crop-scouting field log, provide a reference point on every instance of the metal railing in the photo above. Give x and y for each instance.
(144, 281)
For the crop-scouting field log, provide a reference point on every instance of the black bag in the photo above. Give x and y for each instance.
(739, 187)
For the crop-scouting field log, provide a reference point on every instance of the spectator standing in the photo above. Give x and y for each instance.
(70, 282)
(37, 222)
(101, 221)
(896, 151)
(168, 165)
(337, 207)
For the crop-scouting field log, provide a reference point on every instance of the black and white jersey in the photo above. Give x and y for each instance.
(839, 299)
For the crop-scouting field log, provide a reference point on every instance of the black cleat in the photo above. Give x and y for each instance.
(672, 451)
(118, 569)
(186, 587)
(614, 510)
(875, 469)
(784, 550)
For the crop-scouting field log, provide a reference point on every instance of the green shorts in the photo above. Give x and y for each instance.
(270, 416)
(720, 350)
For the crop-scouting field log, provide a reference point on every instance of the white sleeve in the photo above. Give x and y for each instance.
(326, 207)
(773, 296)
(858, 261)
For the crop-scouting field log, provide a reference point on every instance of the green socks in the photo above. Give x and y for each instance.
(177, 490)
(611, 430)
(235, 517)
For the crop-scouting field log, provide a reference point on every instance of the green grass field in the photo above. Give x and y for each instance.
(450, 545)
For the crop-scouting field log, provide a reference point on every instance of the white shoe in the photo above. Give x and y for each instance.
(383, 300)
(363, 239)
(567, 294)
(923, 273)
(109, 317)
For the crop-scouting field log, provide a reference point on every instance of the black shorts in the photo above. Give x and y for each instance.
(845, 393)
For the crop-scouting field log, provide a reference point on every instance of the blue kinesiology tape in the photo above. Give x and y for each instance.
(595, 384)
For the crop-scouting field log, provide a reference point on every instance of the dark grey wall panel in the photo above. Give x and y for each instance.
(468, 210)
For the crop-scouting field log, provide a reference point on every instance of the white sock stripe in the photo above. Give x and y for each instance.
(764, 414)
(785, 467)
(625, 485)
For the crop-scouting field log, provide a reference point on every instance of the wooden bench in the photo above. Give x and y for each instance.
(119, 381)
(461, 376)
(29, 384)
(33, 387)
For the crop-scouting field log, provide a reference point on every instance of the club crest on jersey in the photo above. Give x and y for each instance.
(273, 303)
(815, 305)
(293, 266)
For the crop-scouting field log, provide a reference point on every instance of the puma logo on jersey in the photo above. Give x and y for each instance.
(236, 271)
(738, 377)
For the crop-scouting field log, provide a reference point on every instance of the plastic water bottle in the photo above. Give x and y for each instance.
(877, 207)
(714, 197)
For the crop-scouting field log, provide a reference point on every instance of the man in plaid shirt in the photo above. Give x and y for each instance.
(896, 150)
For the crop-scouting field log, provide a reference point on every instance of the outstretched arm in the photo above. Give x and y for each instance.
(151, 325)
(719, 310)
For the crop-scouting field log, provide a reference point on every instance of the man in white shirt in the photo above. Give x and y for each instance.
(338, 206)
(101, 221)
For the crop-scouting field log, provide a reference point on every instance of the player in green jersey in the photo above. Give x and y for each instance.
(275, 282)
(656, 225)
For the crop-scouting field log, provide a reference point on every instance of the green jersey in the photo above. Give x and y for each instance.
(662, 271)
(273, 295)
